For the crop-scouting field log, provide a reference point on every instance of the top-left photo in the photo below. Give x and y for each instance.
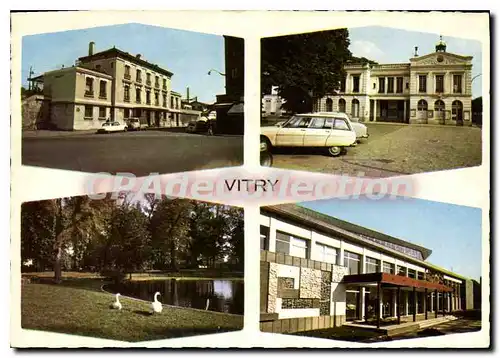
(132, 98)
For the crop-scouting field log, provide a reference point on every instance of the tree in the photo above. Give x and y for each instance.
(304, 66)
(169, 227)
(127, 242)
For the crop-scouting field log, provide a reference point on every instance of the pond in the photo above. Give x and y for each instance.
(223, 295)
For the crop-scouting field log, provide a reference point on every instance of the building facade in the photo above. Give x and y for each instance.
(431, 89)
(271, 104)
(318, 269)
(112, 85)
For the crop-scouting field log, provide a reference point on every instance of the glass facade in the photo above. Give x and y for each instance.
(327, 253)
(352, 261)
(372, 265)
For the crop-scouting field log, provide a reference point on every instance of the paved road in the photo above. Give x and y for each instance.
(140, 153)
(392, 150)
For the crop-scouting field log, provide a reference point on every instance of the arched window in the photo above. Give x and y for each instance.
(329, 105)
(342, 105)
(422, 105)
(457, 111)
(355, 108)
(439, 106)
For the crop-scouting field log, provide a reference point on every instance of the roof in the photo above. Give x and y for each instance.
(395, 280)
(354, 233)
(114, 52)
(91, 71)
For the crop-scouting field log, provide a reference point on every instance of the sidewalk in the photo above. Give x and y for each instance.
(44, 133)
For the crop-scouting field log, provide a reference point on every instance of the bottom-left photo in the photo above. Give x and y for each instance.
(131, 269)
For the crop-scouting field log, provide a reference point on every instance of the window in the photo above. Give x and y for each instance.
(342, 84)
(355, 108)
(399, 85)
(176, 102)
(157, 99)
(372, 265)
(352, 262)
(102, 89)
(291, 245)
(164, 100)
(422, 83)
(171, 102)
(138, 76)
(89, 86)
(89, 112)
(126, 94)
(422, 105)
(457, 83)
(439, 108)
(138, 95)
(412, 273)
(329, 105)
(102, 112)
(318, 123)
(342, 105)
(137, 112)
(126, 113)
(148, 78)
(157, 81)
(298, 122)
(327, 253)
(355, 84)
(407, 86)
(97, 67)
(390, 85)
(420, 275)
(381, 85)
(148, 97)
(388, 268)
(341, 124)
(264, 237)
(164, 83)
(401, 271)
(439, 83)
(127, 72)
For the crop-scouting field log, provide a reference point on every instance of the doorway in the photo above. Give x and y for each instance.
(457, 112)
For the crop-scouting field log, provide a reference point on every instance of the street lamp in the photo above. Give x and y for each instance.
(473, 78)
(212, 70)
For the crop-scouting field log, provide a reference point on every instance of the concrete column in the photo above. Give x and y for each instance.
(374, 110)
(436, 303)
(404, 111)
(425, 303)
(363, 303)
(395, 303)
(414, 304)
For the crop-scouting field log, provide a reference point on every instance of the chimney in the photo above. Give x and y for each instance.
(187, 94)
(138, 56)
(416, 51)
(91, 48)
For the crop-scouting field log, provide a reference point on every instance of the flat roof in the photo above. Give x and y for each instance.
(394, 280)
(353, 232)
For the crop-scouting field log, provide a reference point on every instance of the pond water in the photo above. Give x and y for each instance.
(223, 295)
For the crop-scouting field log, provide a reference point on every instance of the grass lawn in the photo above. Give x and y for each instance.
(77, 306)
(342, 333)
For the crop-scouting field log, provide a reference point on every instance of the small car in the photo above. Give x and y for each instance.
(360, 129)
(203, 125)
(133, 124)
(332, 130)
(109, 127)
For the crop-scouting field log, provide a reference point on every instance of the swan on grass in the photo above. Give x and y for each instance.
(156, 305)
(117, 305)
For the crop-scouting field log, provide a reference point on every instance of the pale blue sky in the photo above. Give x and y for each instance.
(189, 55)
(391, 45)
(452, 232)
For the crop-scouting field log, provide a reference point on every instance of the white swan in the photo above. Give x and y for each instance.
(156, 305)
(117, 305)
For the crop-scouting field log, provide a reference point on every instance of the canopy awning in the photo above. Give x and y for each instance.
(388, 279)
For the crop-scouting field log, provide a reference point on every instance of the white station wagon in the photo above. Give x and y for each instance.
(330, 130)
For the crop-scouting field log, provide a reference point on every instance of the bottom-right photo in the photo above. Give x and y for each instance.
(365, 270)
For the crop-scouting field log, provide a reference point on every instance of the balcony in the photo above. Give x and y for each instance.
(138, 80)
(127, 76)
(89, 93)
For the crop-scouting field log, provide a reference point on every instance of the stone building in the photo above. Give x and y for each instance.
(111, 85)
(317, 272)
(434, 88)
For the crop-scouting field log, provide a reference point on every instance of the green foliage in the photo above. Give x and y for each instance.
(304, 66)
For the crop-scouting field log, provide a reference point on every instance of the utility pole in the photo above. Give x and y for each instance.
(29, 77)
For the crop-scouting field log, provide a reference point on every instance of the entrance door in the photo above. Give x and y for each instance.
(422, 110)
(352, 305)
(387, 303)
(457, 112)
(439, 108)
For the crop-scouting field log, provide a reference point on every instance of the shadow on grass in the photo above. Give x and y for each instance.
(143, 313)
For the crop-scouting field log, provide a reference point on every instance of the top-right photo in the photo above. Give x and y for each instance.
(371, 101)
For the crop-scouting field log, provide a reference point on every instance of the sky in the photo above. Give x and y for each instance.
(189, 55)
(452, 232)
(390, 45)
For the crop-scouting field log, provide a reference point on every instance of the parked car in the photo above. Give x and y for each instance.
(360, 129)
(133, 124)
(109, 127)
(331, 130)
(266, 158)
(200, 126)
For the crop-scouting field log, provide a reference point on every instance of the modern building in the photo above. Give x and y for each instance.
(317, 271)
(434, 88)
(112, 85)
(229, 106)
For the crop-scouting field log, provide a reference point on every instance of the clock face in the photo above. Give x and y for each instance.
(440, 58)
